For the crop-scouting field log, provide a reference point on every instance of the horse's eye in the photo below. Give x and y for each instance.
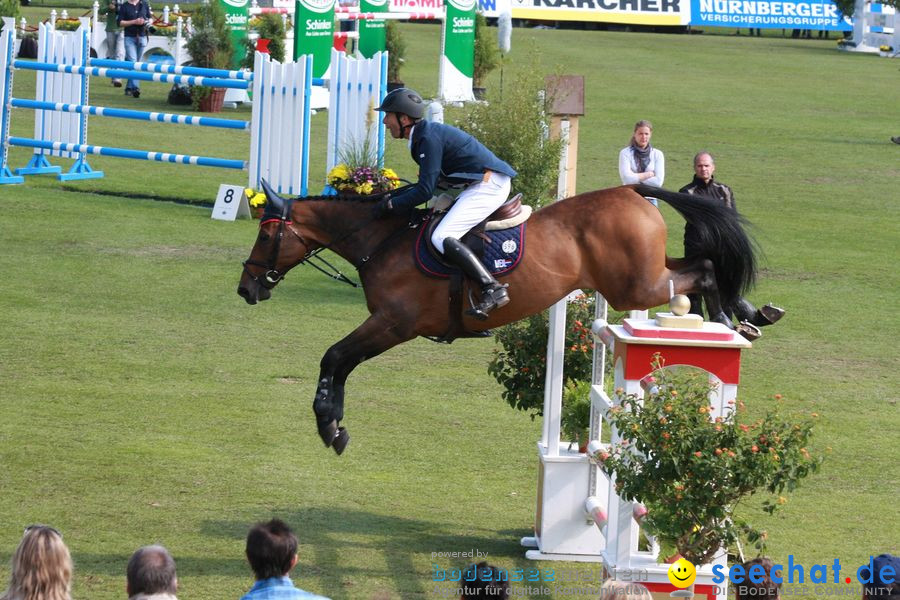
(264, 237)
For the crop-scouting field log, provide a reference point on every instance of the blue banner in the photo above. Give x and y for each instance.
(781, 14)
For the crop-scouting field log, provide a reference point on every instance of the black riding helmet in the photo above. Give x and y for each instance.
(404, 100)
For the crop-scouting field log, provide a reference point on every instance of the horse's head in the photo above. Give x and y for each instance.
(279, 247)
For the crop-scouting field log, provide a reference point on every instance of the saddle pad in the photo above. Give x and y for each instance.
(501, 254)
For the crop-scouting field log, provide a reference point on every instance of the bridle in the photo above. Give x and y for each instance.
(271, 276)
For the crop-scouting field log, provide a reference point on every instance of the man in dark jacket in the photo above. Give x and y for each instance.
(706, 186)
(448, 155)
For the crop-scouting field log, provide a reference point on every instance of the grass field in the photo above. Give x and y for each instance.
(142, 401)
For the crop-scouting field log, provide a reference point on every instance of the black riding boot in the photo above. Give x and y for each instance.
(493, 293)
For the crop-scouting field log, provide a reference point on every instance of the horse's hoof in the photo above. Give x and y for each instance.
(750, 331)
(340, 440)
(771, 314)
(329, 432)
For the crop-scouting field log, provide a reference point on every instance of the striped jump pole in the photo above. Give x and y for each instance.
(138, 115)
(219, 82)
(173, 69)
(185, 159)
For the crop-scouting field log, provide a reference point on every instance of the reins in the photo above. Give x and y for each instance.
(270, 278)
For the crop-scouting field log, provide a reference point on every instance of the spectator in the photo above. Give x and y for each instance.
(41, 567)
(484, 581)
(640, 162)
(765, 589)
(884, 586)
(112, 34)
(134, 16)
(151, 575)
(613, 589)
(705, 185)
(272, 553)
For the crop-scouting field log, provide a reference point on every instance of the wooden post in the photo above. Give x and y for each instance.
(566, 97)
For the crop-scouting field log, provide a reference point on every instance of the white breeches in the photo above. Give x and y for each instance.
(472, 206)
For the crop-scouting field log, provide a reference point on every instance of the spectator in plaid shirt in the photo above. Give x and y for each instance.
(272, 553)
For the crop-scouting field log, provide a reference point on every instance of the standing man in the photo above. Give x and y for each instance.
(706, 186)
(449, 155)
(151, 575)
(134, 16)
(112, 35)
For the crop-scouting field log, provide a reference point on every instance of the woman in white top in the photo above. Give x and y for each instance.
(640, 162)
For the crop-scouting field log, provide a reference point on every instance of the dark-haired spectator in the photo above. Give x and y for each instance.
(41, 567)
(757, 583)
(705, 185)
(484, 581)
(272, 553)
(885, 583)
(150, 575)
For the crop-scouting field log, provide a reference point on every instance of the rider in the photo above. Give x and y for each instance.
(449, 155)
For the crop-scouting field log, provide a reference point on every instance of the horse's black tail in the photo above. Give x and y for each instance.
(721, 235)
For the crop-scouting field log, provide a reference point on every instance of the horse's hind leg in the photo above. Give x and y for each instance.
(370, 339)
(698, 276)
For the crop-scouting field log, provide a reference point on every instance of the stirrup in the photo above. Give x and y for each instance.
(493, 296)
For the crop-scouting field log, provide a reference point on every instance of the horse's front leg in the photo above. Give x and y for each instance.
(370, 339)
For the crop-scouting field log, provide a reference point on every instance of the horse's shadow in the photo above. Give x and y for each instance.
(328, 535)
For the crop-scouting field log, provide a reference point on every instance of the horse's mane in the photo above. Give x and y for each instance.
(364, 198)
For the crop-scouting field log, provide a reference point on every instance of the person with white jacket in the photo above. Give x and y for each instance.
(640, 162)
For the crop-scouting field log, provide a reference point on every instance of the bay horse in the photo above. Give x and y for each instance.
(612, 241)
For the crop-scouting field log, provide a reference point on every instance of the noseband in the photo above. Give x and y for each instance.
(271, 276)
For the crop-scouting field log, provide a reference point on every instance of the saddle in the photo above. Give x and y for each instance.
(499, 243)
(500, 252)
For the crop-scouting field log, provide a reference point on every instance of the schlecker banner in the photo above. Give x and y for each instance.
(456, 53)
(237, 15)
(796, 14)
(372, 31)
(314, 32)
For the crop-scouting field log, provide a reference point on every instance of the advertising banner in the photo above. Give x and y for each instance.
(237, 15)
(371, 32)
(781, 14)
(456, 55)
(314, 32)
(634, 12)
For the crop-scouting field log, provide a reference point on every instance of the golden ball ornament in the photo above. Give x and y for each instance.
(679, 304)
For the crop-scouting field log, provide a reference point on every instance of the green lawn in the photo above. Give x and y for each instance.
(142, 401)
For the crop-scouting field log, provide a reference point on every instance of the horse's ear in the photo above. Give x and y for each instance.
(275, 204)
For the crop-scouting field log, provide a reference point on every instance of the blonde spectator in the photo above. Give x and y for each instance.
(41, 567)
(639, 161)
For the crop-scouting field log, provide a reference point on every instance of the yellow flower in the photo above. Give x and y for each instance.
(365, 188)
(389, 173)
(338, 172)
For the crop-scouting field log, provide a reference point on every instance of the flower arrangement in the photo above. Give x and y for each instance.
(257, 201)
(362, 180)
(691, 471)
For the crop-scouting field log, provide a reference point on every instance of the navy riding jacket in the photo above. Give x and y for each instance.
(445, 153)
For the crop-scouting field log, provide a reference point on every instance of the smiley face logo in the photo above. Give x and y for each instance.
(682, 573)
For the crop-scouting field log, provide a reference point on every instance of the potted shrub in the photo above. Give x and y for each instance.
(486, 56)
(691, 472)
(268, 26)
(575, 420)
(396, 47)
(210, 47)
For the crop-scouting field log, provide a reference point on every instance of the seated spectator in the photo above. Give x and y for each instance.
(883, 586)
(151, 575)
(614, 589)
(766, 589)
(484, 581)
(272, 553)
(41, 567)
